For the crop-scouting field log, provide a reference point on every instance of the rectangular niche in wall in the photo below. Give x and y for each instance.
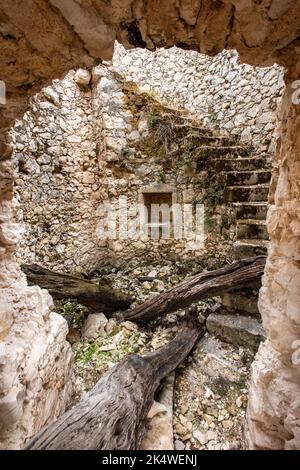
(157, 213)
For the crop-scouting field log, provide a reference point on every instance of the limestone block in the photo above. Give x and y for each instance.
(94, 326)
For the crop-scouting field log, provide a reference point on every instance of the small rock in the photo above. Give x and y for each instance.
(118, 337)
(94, 325)
(189, 426)
(208, 393)
(82, 77)
(128, 325)
(73, 336)
(183, 420)
(158, 285)
(211, 445)
(108, 347)
(227, 424)
(201, 437)
(179, 429)
(153, 273)
(179, 445)
(183, 409)
(211, 435)
(51, 95)
(208, 418)
(210, 410)
(111, 326)
(147, 285)
(241, 401)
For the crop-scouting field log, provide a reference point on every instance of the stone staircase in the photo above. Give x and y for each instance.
(247, 178)
(247, 191)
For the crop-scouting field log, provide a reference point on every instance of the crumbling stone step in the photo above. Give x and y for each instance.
(213, 151)
(216, 142)
(250, 228)
(251, 210)
(233, 164)
(246, 248)
(247, 193)
(239, 301)
(239, 330)
(248, 177)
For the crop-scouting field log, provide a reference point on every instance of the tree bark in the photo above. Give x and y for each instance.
(97, 297)
(112, 416)
(231, 277)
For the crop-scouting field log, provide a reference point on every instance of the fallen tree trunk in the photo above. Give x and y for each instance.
(97, 297)
(231, 277)
(112, 416)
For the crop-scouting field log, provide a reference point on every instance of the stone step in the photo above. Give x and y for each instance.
(251, 229)
(241, 302)
(233, 164)
(251, 178)
(214, 151)
(239, 330)
(253, 193)
(221, 145)
(246, 248)
(250, 210)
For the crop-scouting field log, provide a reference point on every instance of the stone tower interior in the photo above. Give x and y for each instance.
(190, 104)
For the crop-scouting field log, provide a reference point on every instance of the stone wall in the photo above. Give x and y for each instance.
(58, 166)
(139, 161)
(80, 146)
(94, 150)
(220, 90)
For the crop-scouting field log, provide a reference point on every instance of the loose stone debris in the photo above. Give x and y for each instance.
(210, 387)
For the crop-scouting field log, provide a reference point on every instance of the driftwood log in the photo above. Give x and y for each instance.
(228, 278)
(113, 414)
(97, 297)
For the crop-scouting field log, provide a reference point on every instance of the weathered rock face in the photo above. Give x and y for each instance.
(47, 39)
(36, 363)
(274, 409)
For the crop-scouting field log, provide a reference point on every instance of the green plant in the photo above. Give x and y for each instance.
(214, 197)
(72, 311)
(125, 152)
(209, 223)
(152, 119)
(162, 177)
(97, 149)
(213, 116)
(186, 158)
(153, 94)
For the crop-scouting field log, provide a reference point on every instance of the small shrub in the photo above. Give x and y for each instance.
(72, 311)
(152, 119)
(213, 116)
(214, 197)
(209, 223)
(125, 152)
(162, 177)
